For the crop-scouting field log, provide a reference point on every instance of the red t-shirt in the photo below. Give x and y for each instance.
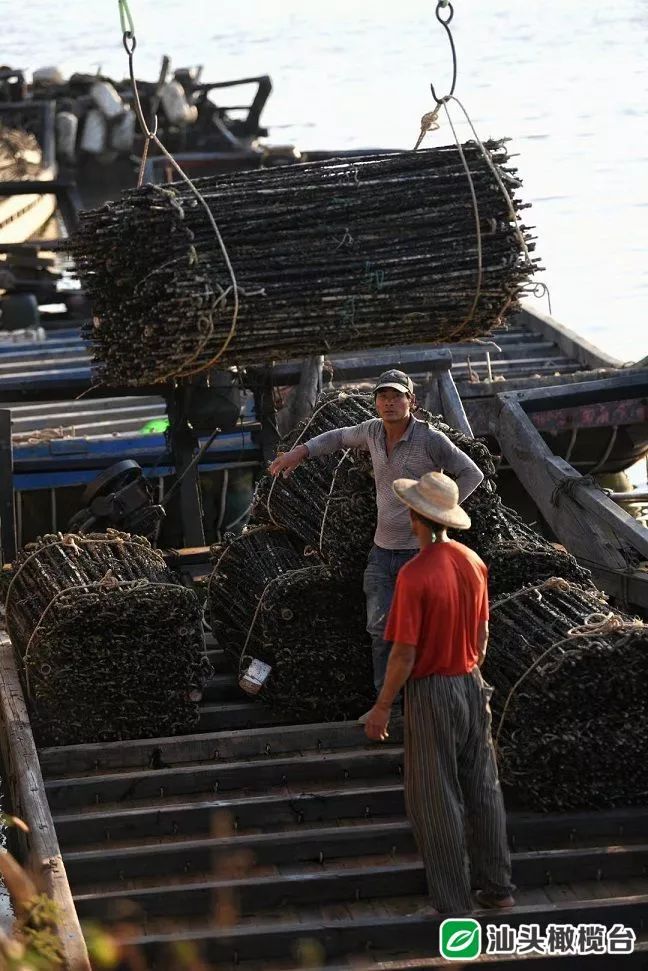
(441, 596)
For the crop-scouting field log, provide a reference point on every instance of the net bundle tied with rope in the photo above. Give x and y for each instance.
(342, 254)
(569, 710)
(109, 646)
(270, 601)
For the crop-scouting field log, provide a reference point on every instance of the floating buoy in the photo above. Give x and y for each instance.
(106, 98)
(93, 136)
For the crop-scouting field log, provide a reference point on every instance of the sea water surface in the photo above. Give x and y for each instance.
(567, 80)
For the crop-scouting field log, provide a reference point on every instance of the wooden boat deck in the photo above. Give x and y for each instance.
(262, 843)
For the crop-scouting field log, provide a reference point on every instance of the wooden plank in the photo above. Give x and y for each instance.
(195, 817)
(331, 845)
(573, 345)
(514, 382)
(597, 414)
(590, 525)
(631, 382)
(29, 802)
(299, 845)
(8, 542)
(253, 940)
(234, 714)
(204, 746)
(94, 790)
(256, 893)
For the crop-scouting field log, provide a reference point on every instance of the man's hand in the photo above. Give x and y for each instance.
(377, 722)
(287, 462)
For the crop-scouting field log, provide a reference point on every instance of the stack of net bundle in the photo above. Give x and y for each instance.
(336, 255)
(109, 647)
(515, 553)
(569, 709)
(269, 601)
(315, 639)
(243, 567)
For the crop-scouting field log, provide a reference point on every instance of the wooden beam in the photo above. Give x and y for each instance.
(569, 342)
(160, 784)
(194, 817)
(8, 541)
(629, 383)
(336, 884)
(205, 747)
(597, 414)
(583, 518)
(343, 936)
(29, 801)
(451, 406)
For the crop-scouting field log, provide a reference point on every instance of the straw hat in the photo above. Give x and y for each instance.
(434, 496)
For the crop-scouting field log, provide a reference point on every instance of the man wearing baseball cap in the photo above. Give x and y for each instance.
(400, 445)
(439, 627)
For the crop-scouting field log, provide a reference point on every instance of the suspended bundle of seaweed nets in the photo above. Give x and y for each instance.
(244, 567)
(569, 708)
(315, 639)
(109, 647)
(342, 254)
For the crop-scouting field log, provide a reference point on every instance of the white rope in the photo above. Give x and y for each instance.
(489, 161)
(330, 496)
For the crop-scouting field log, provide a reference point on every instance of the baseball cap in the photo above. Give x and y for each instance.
(395, 379)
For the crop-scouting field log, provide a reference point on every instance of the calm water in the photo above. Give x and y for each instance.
(566, 79)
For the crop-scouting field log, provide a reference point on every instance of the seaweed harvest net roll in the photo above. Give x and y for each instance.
(336, 255)
(109, 646)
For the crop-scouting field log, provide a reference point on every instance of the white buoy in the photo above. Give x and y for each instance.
(67, 127)
(106, 98)
(93, 136)
(175, 104)
(122, 132)
(48, 75)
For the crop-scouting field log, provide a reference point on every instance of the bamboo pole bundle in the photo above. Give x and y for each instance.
(569, 709)
(109, 647)
(337, 255)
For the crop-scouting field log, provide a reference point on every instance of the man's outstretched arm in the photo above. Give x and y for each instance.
(351, 436)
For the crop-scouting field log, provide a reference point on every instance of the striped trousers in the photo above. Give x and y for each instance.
(452, 792)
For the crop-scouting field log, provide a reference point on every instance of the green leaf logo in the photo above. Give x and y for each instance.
(460, 939)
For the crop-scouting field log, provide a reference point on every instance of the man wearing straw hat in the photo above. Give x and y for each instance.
(399, 444)
(438, 624)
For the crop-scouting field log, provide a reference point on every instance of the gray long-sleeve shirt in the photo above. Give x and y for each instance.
(421, 449)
